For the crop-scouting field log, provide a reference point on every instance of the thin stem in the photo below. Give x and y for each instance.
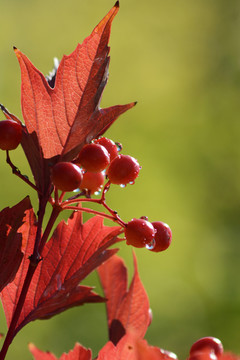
(114, 213)
(35, 257)
(91, 211)
(97, 201)
(53, 217)
(17, 172)
(75, 201)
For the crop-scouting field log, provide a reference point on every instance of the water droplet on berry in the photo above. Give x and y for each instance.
(76, 190)
(119, 146)
(97, 192)
(151, 245)
(123, 185)
(132, 182)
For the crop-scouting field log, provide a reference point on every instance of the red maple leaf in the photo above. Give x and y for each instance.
(74, 250)
(61, 119)
(11, 241)
(131, 347)
(78, 353)
(127, 309)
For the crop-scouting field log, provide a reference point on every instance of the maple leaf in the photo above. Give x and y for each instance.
(127, 309)
(63, 114)
(78, 353)
(74, 250)
(131, 347)
(67, 116)
(11, 241)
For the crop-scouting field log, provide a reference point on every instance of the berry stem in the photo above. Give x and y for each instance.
(17, 172)
(8, 115)
(100, 202)
(91, 211)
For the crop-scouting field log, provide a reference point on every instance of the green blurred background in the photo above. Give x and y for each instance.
(181, 61)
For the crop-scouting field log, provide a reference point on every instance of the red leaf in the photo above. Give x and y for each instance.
(67, 116)
(127, 310)
(11, 241)
(131, 347)
(78, 353)
(74, 251)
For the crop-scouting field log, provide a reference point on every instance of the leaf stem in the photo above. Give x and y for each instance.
(53, 217)
(34, 260)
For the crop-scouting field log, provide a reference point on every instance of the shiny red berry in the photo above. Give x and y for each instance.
(139, 233)
(66, 176)
(207, 344)
(163, 236)
(109, 145)
(92, 181)
(123, 169)
(203, 355)
(10, 134)
(93, 157)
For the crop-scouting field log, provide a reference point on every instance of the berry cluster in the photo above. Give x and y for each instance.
(88, 170)
(96, 163)
(155, 236)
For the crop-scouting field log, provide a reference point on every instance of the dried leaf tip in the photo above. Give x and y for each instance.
(116, 4)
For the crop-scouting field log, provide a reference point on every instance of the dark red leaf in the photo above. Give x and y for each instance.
(74, 251)
(67, 116)
(131, 347)
(78, 353)
(11, 241)
(126, 309)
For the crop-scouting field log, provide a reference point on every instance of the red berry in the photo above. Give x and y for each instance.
(93, 157)
(10, 134)
(92, 181)
(203, 355)
(209, 344)
(139, 233)
(109, 145)
(66, 176)
(163, 236)
(123, 170)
